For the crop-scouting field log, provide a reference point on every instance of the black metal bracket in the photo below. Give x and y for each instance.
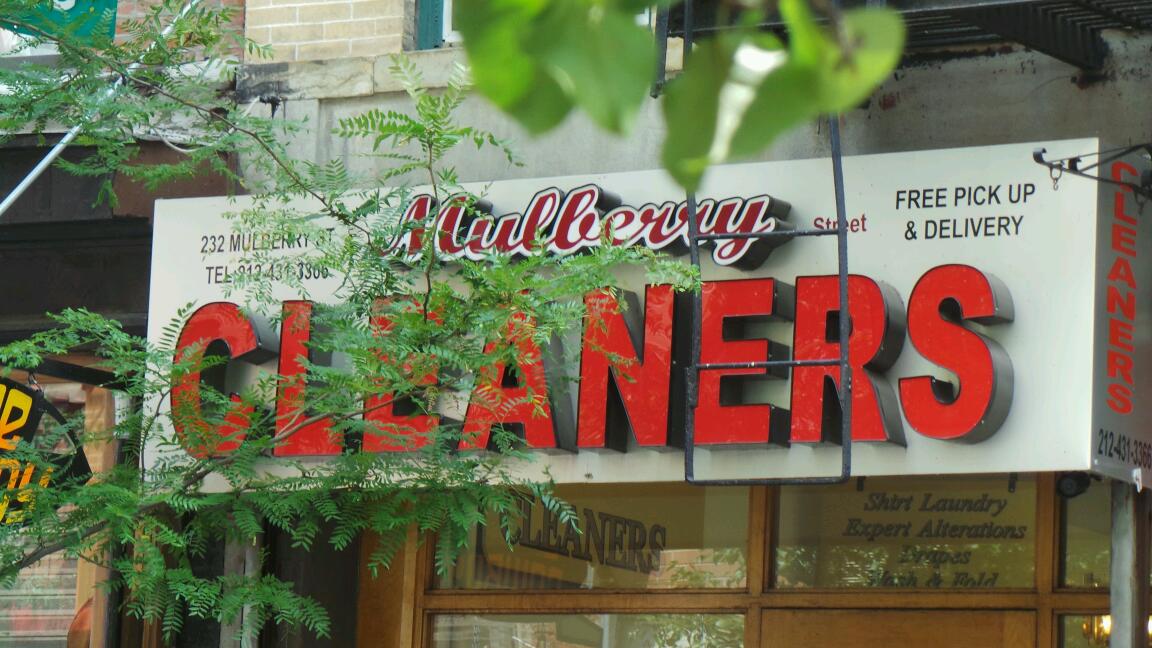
(845, 392)
(661, 32)
(79, 373)
(692, 381)
(1076, 165)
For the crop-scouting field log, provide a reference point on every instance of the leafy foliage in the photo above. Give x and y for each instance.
(146, 84)
(398, 319)
(536, 60)
(757, 88)
(741, 88)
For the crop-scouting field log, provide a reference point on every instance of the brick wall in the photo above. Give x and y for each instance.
(136, 9)
(310, 30)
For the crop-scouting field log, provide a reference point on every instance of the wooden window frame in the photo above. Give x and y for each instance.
(1048, 599)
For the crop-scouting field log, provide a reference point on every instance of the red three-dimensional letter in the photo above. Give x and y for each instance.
(640, 380)
(525, 405)
(389, 431)
(315, 437)
(215, 322)
(943, 299)
(726, 306)
(876, 317)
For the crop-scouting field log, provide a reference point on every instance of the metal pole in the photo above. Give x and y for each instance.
(842, 277)
(1129, 569)
(689, 27)
(661, 31)
(56, 150)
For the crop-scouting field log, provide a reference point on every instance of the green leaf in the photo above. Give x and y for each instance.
(493, 32)
(691, 106)
(807, 42)
(542, 109)
(634, 7)
(599, 56)
(537, 59)
(735, 97)
(876, 38)
(786, 98)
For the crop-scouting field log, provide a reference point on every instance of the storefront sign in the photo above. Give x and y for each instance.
(1019, 306)
(21, 410)
(570, 221)
(1121, 437)
(662, 536)
(918, 533)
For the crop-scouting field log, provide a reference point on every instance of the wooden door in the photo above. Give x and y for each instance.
(897, 628)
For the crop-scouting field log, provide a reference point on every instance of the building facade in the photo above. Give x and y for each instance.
(951, 547)
(982, 558)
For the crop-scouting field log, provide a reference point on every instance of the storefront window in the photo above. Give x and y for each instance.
(1087, 537)
(924, 532)
(645, 536)
(589, 630)
(1087, 631)
(38, 608)
(50, 603)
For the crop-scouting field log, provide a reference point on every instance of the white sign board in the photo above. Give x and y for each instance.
(1066, 381)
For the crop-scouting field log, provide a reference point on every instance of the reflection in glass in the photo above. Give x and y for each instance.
(1071, 632)
(1089, 631)
(45, 599)
(923, 532)
(1087, 535)
(638, 536)
(38, 607)
(589, 631)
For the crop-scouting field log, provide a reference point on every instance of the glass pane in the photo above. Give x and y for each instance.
(1089, 631)
(1087, 536)
(38, 608)
(50, 602)
(638, 536)
(589, 630)
(923, 532)
(1085, 631)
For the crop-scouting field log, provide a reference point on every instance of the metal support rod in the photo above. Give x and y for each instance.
(770, 364)
(782, 233)
(74, 132)
(78, 373)
(842, 277)
(689, 26)
(1075, 166)
(661, 34)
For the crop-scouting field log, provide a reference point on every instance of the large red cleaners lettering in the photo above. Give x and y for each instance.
(632, 364)
(513, 397)
(876, 322)
(216, 328)
(389, 429)
(972, 408)
(303, 432)
(637, 370)
(723, 413)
